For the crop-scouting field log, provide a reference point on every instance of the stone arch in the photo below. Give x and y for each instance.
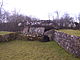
(45, 39)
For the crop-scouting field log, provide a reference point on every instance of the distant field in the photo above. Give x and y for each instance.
(71, 32)
(33, 50)
(4, 32)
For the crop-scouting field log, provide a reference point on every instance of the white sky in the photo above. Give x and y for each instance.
(41, 8)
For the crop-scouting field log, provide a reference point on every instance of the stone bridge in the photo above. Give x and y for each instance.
(36, 30)
(69, 42)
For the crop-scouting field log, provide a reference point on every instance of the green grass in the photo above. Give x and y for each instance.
(33, 50)
(71, 32)
(4, 32)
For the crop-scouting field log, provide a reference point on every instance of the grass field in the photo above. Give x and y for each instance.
(4, 32)
(71, 32)
(33, 50)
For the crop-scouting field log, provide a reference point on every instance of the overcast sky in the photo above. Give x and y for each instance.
(41, 8)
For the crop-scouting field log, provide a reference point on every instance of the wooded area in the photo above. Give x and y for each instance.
(16, 22)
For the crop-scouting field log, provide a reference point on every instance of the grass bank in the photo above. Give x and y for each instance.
(4, 32)
(71, 32)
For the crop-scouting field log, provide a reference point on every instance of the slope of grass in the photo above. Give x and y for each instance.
(71, 32)
(33, 50)
(4, 32)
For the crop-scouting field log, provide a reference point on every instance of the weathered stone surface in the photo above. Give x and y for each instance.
(50, 34)
(25, 30)
(8, 37)
(70, 43)
(33, 30)
(37, 30)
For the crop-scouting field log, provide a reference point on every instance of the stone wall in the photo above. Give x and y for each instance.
(8, 37)
(25, 30)
(69, 42)
(33, 30)
(50, 34)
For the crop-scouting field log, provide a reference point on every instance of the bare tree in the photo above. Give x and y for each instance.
(49, 16)
(66, 21)
(67, 17)
(1, 4)
(79, 17)
(3, 13)
(57, 13)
